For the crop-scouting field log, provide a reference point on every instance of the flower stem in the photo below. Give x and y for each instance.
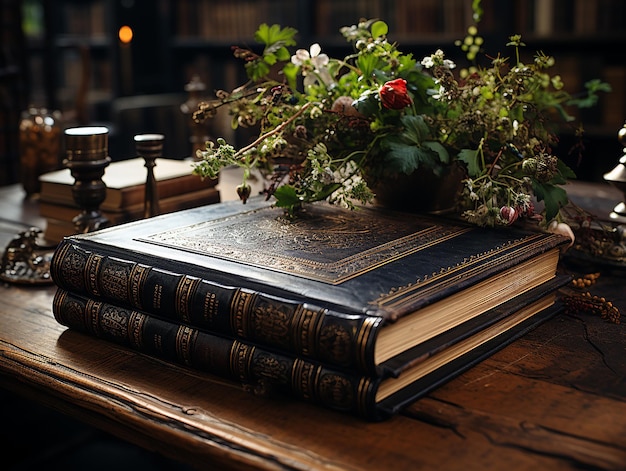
(276, 130)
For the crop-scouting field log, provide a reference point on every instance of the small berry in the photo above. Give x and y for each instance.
(244, 191)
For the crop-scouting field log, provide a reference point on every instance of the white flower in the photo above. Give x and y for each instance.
(562, 229)
(441, 94)
(437, 59)
(428, 62)
(449, 64)
(515, 127)
(314, 65)
(316, 112)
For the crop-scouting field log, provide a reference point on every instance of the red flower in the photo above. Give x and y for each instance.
(394, 95)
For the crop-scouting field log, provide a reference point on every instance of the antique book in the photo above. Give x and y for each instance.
(59, 217)
(348, 288)
(125, 181)
(267, 370)
(189, 199)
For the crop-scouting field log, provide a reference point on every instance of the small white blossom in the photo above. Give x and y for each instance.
(316, 112)
(562, 229)
(449, 64)
(314, 64)
(441, 94)
(437, 59)
(428, 61)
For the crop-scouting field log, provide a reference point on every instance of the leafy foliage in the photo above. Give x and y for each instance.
(324, 123)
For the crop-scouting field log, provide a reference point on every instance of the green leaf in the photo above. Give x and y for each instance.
(401, 158)
(283, 54)
(270, 35)
(416, 129)
(439, 149)
(406, 158)
(472, 160)
(554, 196)
(379, 28)
(257, 70)
(367, 64)
(270, 59)
(324, 192)
(590, 98)
(291, 74)
(517, 113)
(286, 197)
(411, 150)
(367, 104)
(597, 85)
(565, 171)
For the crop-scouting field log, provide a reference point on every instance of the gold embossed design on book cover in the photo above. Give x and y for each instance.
(322, 244)
(467, 268)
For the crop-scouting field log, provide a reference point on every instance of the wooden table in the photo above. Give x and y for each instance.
(555, 399)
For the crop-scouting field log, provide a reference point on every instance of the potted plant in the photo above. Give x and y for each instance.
(344, 129)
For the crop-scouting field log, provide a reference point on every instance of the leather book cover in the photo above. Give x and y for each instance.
(337, 285)
(261, 369)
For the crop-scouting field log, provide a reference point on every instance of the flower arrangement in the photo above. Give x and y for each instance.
(335, 129)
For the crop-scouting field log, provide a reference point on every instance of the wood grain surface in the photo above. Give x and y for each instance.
(553, 400)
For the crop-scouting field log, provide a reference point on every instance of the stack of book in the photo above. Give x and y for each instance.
(125, 180)
(361, 311)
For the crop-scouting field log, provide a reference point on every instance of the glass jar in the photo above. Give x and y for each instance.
(40, 146)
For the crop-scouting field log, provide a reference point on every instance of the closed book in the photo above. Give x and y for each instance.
(348, 288)
(59, 217)
(190, 199)
(266, 370)
(125, 181)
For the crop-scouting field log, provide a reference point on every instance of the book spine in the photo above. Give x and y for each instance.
(341, 340)
(259, 370)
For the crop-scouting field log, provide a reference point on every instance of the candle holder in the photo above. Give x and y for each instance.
(617, 177)
(150, 147)
(86, 157)
(601, 241)
(26, 260)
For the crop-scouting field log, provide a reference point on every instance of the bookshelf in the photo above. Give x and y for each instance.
(13, 88)
(578, 33)
(177, 40)
(72, 57)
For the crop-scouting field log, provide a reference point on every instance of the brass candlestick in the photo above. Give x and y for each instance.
(617, 177)
(150, 147)
(86, 157)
